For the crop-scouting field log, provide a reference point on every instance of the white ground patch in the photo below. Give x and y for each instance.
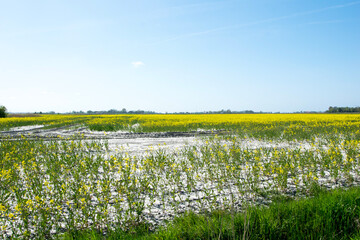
(141, 145)
(138, 143)
(26, 128)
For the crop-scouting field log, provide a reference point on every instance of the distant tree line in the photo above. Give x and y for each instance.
(51, 112)
(218, 112)
(343, 110)
(124, 111)
(114, 111)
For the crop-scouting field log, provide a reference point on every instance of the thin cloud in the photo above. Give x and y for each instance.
(258, 22)
(137, 64)
(325, 22)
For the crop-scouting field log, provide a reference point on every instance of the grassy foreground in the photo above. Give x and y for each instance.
(56, 186)
(327, 215)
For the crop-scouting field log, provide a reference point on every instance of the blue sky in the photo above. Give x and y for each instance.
(172, 55)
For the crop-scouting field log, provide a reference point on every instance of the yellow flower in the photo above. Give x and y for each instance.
(2, 208)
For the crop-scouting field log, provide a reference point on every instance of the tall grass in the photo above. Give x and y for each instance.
(332, 215)
(66, 185)
(327, 215)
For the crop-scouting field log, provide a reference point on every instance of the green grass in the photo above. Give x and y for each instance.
(328, 215)
(48, 185)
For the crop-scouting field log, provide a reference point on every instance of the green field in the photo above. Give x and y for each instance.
(62, 187)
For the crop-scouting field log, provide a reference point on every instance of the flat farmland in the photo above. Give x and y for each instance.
(66, 172)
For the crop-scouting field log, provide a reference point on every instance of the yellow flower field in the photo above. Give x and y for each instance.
(287, 124)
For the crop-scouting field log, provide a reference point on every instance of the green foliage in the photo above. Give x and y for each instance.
(51, 185)
(330, 215)
(343, 110)
(3, 112)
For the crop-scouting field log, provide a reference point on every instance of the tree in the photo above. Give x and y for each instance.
(3, 112)
(343, 110)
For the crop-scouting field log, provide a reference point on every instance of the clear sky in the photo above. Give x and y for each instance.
(179, 55)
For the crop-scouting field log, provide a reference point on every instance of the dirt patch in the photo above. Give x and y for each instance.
(71, 132)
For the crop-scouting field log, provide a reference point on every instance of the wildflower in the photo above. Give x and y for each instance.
(2, 208)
